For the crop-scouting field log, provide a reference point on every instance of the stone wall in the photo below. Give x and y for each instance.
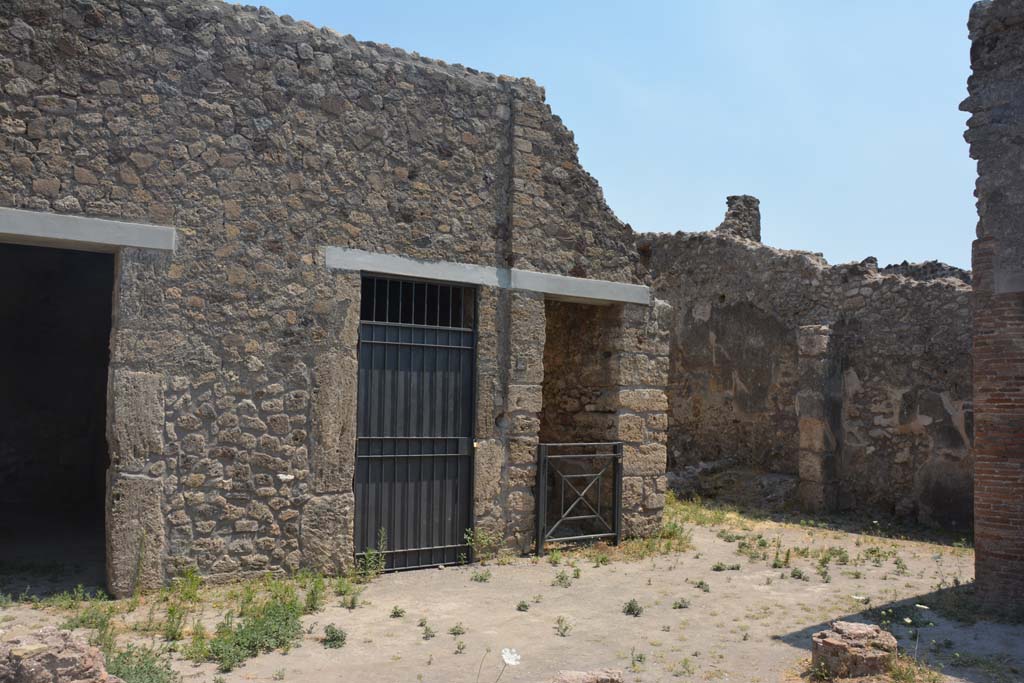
(994, 133)
(580, 392)
(263, 140)
(881, 397)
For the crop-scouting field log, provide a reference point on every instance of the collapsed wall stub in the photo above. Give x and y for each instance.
(851, 381)
(997, 44)
(742, 217)
(267, 142)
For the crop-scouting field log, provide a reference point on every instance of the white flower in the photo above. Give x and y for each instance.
(510, 656)
(908, 620)
(921, 606)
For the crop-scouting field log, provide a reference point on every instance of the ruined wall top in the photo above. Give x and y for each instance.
(742, 217)
(993, 16)
(927, 270)
(994, 132)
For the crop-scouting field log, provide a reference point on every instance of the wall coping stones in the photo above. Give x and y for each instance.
(81, 232)
(561, 287)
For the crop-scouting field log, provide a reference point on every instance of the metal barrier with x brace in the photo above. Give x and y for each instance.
(574, 504)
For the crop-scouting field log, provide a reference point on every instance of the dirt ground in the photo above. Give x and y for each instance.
(751, 623)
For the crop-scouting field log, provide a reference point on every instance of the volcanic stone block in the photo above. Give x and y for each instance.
(334, 422)
(136, 419)
(851, 650)
(136, 544)
(325, 533)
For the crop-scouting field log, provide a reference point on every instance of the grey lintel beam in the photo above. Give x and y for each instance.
(81, 232)
(555, 286)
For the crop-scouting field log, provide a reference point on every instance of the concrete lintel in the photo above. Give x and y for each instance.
(340, 258)
(81, 232)
(555, 286)
(580, 288)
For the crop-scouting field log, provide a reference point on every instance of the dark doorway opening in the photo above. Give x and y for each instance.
(55, 308)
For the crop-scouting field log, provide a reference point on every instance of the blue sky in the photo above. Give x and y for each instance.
(840, 116)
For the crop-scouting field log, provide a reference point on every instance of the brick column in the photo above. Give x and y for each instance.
(995, 131)
(817, 443)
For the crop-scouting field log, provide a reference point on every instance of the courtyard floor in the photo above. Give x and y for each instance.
(739, 603)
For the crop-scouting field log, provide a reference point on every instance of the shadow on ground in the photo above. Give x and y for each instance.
(43, 556)
(947, 630)
(744, 492)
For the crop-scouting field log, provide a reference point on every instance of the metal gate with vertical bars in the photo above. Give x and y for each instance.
(414, 452)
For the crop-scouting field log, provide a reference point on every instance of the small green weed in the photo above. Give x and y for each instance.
(334, 637)
(633, 608)
(562, 579)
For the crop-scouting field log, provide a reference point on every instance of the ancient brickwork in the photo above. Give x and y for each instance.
(894, 388)
(994, 133)
(264, 140)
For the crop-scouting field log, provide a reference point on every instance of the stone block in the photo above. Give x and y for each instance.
(326, 533)
(658, 421)
(632, 492)
(812, 340)
(488, 400)
(647, 459)
(136, 541)
(812, 466)
(522, 450)
(522, 477)
(522, 504)
(631, 428)
(810, 403)
(815, 435)
(333, 442)
(487, 468)
(525, 424)
(640, 524)
(852, 650)
(643, 400)
(525, 397)
(636, 369)
(653, 499)
(136, 419)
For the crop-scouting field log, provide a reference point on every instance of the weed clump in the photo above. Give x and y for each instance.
(334, 637)
(633, 608)
(272, 624)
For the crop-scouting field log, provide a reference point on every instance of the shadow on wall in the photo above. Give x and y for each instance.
(733, 378)
(903, 437)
